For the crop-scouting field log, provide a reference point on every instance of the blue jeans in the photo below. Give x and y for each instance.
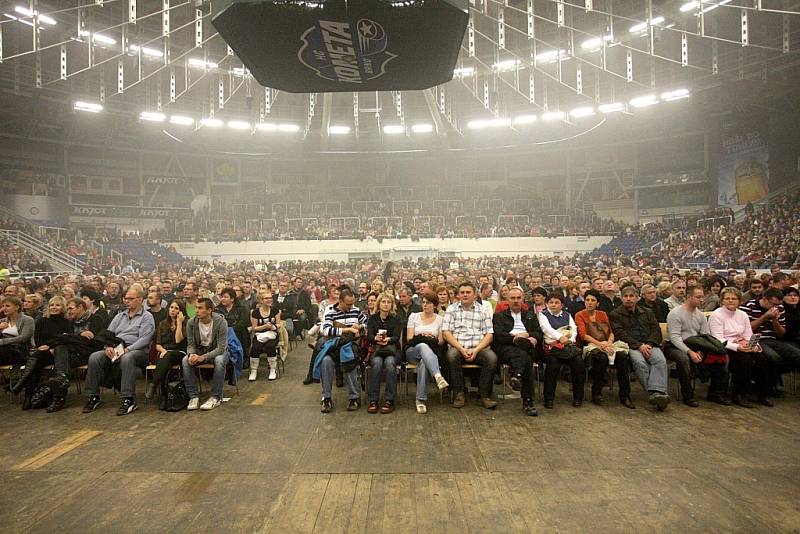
(326, 371)
(652, 374)
(426, 360)
(98, 363)
(190, 379)
(380, 362)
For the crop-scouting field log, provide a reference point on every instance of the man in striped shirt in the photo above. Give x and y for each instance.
(468, 329)
(768, 318)
(344, 319)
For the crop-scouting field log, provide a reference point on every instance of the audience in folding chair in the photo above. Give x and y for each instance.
(206, 343)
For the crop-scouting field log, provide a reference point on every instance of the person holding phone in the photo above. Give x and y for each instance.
(171, 347)
(731, 326)
(384, 330)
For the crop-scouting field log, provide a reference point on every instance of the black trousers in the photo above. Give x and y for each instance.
(164, 366)
(755, 366)
(598, 362)
(520, 360)
(270, 348)
(13, 355)
(718, 373)
(553, 363)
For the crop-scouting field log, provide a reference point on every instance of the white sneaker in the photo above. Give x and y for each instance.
(441, 383)
(194, 402)
(273, 374)
(421, 408)
(211, 403)
(253, 373)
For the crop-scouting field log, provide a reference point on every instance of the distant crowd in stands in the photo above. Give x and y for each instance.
(766, 235)
(437, 313)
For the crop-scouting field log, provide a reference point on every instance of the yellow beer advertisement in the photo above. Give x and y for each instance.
(743, 169)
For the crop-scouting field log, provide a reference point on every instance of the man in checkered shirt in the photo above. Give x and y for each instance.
(468, 330)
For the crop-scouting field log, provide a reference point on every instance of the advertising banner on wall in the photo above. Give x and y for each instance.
(743, 168)
(129, 212)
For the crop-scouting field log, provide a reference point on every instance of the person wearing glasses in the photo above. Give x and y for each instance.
(135, 327)
(265, 322)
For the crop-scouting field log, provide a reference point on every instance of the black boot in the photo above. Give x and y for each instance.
(26, 401)
(56, 404)
(162, 399)
(59, 384)
(31, 370)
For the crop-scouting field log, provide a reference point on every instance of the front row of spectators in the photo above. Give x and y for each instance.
(742, 342)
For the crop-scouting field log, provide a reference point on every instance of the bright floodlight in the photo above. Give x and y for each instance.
(28, 13)
(592, 44)
(211, 123)
(495, 123)
(239, 125)
(611, 108)
(422, 128)
(200, 63)
(688, 6)
(152, 116)
(577, 113)
(267, 127)
(181, 120)
(477, 124)
(146, 51)
(524, 119)
(393, 129)
(677, 94)
(464, 71)
(288, 128)
(91, 107)
(506, 65)
(100, 38)
(552, 115)
(338, 130)
(643, 101)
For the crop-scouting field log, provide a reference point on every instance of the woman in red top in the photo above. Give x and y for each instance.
(599, 347)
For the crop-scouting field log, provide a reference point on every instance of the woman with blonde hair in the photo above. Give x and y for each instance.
(383, 334)
(45, 329)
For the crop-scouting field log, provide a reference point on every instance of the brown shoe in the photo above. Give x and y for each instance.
(373, 407)
(459, 401)
(488, 403)
(388, 407)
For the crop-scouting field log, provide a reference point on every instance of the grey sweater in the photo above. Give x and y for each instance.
(683, 324)
(219, 338)
(25, 327)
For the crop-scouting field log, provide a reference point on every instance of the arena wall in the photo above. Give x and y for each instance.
(342, 250)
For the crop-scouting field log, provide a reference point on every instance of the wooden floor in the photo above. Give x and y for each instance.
(269, 461)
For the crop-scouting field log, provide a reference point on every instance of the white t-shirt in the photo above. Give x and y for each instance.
(415, 322)
(205, 332)
(518, 326)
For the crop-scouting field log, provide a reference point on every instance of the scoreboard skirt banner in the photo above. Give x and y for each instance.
(334, 45)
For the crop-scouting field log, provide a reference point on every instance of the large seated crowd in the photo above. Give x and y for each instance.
(459, 321)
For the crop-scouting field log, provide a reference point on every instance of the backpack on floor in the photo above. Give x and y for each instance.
(177, 398)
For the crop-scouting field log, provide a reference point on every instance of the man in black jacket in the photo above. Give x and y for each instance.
(303, 308)
(651, 301)
(517, 335)
(637, 326)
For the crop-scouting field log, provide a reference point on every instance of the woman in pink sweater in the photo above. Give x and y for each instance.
(731, 325)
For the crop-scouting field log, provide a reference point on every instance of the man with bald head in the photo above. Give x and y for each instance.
(135, 328)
